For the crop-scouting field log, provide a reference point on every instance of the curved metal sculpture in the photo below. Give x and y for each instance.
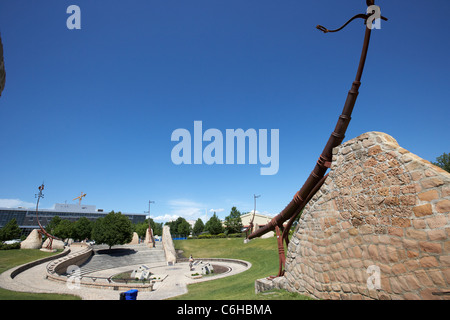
(2, 68)
(317, 176)
(42, 230)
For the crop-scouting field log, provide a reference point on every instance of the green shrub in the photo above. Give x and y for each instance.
(13, 246)
(236, 235)
(218, 236)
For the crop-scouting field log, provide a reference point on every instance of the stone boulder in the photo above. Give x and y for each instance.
(33, 241)
(135, 239)
(56, 244)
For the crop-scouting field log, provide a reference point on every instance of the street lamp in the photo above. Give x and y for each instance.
(255, 197)
(149, 202)
(250, 227)
(152, 239)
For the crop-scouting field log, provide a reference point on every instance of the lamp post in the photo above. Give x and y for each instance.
(149, 202)
(255, 197)
(250, 228)
(149, 226)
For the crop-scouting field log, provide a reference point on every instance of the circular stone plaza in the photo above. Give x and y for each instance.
(89, 272)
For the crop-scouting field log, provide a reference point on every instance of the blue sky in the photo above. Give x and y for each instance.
(93, 110)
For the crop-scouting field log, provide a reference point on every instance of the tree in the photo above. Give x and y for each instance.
(157, 229)
(82, 229)
(443, 161)
(113, 229)
(233, 222)
(64, 229)
(10, 230)
(51, 226)
(199, 227)
(184, 228)
(179, 227)
(141, 228)
(214, 225)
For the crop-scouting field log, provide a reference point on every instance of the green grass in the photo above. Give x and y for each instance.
(12, 258)
(261, 253)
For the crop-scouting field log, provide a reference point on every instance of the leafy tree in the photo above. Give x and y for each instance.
(82, 229)
(64, 229)
(199, 227)
(184, 228)
(214, 225)
(10, 230)
(443, 161)
(179, 227)
(141, 228)
(51, 226)
(157, 228)
(113, 229)
(172, 226)
(233, 222)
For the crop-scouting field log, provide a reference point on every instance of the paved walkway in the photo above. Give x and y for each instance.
(174, 284)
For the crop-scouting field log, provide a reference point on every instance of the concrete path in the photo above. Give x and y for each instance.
(174, 284)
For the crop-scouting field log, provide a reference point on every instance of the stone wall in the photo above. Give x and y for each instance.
(77, 258)
(32, 264)
(377, 229)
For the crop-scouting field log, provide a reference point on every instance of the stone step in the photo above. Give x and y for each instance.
(103, 258)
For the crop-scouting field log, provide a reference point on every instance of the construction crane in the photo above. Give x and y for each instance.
(80, 197)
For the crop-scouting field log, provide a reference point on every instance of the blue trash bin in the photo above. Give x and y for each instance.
(131, 294)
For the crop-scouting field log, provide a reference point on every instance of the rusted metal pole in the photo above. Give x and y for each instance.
(42, 230)
(281, 255)
(336, 138)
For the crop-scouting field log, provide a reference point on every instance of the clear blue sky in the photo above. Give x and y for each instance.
(93, 110)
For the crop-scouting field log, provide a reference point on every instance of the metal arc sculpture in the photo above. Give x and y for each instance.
(317, 176)
(42, 230)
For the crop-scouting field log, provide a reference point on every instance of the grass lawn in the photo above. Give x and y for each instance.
(261, 253)
(11, 258)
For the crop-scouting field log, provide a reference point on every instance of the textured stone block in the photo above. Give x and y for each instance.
(382, 208)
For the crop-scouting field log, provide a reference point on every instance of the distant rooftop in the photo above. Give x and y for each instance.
(69, 207)
(64, 207)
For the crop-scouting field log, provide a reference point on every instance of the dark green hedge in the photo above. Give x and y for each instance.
(9, 246)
